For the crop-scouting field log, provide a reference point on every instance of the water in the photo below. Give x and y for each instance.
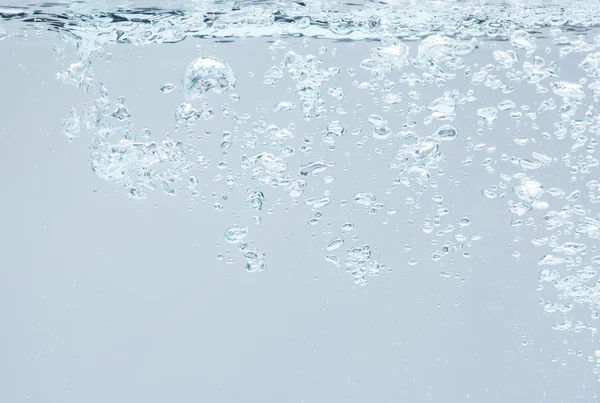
(433, 165)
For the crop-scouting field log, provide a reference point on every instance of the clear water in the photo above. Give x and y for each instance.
(300, 201)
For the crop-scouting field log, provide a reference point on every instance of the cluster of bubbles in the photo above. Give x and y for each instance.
(255, 260)
(417, 140)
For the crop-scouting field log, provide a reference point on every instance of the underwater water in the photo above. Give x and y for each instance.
(285, 201)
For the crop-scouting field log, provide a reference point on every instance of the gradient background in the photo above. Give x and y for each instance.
(104, 300)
